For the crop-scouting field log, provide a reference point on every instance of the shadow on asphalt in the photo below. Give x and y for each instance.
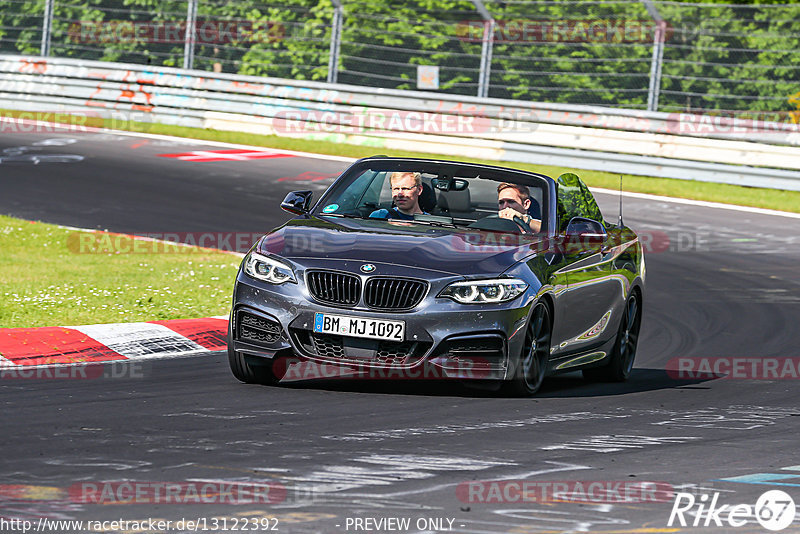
(562, 386)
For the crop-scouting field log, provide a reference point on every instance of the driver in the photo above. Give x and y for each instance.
(513, 200)
(406, 188)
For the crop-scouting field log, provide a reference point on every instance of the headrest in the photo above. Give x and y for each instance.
(455, 200)
(427, 199)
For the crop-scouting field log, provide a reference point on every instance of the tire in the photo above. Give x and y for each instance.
(246, 372)
(535, 354)
(619, 367)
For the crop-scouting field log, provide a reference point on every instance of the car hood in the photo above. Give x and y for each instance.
(445, 250)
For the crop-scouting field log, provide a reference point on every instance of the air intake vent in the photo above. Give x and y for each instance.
(334, 288)
(393, 293)
(257, 330)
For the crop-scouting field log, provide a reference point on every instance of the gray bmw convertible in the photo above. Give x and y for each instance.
(415, 268)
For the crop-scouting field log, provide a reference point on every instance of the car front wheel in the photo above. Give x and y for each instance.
(532, 365)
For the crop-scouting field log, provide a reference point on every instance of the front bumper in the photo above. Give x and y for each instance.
(443, 339)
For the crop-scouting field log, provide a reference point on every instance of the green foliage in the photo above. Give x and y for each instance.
(575, 200)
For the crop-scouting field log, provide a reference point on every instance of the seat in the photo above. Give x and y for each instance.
(535, 210)
(456, 204)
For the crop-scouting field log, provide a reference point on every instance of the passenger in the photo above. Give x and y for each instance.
(513, 200)
(406, 188)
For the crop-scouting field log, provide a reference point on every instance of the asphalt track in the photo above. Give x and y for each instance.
(720, 284)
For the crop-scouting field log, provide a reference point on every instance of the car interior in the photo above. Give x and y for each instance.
(468, 202)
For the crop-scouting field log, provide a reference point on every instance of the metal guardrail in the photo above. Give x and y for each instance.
(643, 54)
(625, 141)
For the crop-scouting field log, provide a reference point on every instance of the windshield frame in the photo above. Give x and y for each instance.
(449, 168)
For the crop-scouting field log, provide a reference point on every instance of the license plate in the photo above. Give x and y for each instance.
(359, 327)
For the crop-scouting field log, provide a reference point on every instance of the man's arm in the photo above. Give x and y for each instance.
(379, 214)
(534, 224)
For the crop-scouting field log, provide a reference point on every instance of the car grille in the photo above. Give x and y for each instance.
(258, 330)
(361, 351)
(380, 293)
(334, 288)
(393, 293)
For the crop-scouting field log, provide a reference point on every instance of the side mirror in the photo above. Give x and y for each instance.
(297, 202)
(581, 226)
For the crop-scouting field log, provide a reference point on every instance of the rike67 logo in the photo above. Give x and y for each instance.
(774, 510)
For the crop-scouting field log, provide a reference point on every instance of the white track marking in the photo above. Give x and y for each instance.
(403, 433)
(605, 444)
(647, 196)
(699, 203)
(184, 140)
(140, 340)
(560, 467)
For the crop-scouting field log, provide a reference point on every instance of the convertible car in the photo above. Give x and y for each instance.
(456, 291)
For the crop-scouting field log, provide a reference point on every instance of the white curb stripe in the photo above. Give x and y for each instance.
(140, 340)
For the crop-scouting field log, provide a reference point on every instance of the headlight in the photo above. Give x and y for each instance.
(268, 269)
(485, 291)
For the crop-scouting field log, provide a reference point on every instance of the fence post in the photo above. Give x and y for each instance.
(47, 27)
(336, 40)
(658, 56)
(486, 58)
(487, 45)
(191, 31)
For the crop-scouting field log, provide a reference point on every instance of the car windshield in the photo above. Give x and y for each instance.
(450, 195)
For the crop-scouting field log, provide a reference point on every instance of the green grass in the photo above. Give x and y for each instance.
(47, 278)
(731, 194)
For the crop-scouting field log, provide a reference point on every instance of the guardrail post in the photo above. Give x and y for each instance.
(47, 27)
(654, 90)
(487, 45)
(336, 40)
(191, 31)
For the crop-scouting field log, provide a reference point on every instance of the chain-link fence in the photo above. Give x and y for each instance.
(638, 54)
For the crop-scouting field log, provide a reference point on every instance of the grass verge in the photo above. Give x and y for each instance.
(47, 280)
(730, 194)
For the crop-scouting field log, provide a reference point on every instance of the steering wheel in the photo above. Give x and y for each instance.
(522, 224)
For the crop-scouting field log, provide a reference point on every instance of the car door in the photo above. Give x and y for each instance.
(594, 292)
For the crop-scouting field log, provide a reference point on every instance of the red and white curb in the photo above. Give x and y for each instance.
(65, 345)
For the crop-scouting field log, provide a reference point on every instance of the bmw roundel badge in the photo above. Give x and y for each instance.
(367, 268)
